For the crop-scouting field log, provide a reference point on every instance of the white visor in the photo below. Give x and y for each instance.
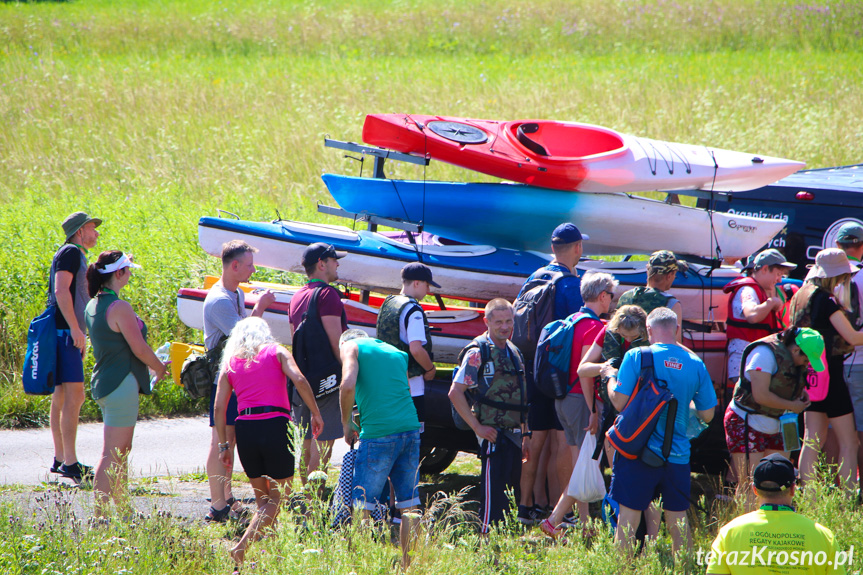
(123, 262)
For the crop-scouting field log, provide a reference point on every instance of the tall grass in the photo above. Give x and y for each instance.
(150, 114)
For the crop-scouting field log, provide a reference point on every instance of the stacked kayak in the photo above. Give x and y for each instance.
(573, 156)
(451, 328)
(522, 217)
(466, 272)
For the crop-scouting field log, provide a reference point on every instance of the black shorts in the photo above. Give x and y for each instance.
(264, 447)
(541, 415)
(230, 412)
(838, 401)
(420, 405)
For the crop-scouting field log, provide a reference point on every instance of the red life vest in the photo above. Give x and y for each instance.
(739, 328)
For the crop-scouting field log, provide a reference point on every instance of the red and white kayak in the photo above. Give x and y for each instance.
(451, 328)
(573, 156)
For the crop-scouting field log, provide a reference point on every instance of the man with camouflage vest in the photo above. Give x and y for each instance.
(661, 270)
(772, 382)
(402, 323)
(494, 369)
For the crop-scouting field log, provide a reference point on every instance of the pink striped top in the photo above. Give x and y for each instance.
(260, 383)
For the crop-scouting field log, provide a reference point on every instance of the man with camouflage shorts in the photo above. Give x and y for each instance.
(661, 270)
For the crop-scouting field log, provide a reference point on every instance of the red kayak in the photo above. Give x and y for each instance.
(573, 156)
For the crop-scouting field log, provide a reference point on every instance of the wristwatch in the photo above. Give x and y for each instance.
(527, 434)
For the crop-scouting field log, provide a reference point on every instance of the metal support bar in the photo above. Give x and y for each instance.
(381, 153)
(371, 219)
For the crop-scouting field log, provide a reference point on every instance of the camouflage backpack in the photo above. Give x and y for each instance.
(806, 305)
(388, 328)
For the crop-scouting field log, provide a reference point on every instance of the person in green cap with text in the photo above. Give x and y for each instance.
(772, 384)
(68, 291)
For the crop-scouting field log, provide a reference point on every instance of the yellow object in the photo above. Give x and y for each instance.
(179, 353)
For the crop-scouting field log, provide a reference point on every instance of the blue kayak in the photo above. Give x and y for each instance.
(522, 217)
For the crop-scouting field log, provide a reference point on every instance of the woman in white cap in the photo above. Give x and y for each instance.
(122, 357)
(822, 304)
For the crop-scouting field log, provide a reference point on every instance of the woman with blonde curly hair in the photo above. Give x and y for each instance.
(256, 368)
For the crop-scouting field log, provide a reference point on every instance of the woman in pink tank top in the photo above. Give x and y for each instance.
(257, 369)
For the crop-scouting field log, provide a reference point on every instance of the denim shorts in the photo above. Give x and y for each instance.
(395, 456)
(70, 364)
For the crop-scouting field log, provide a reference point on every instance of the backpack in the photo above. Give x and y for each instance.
(40, 360)
(201, 369)
(477, 395)
(637, 420)
(313, 353)
(551, 363)
(533, 309)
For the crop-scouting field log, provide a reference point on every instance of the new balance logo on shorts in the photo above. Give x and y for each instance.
(329, 383)
(673, 363)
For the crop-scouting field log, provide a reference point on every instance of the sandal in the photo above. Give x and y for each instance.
(218, 515)
(242, 513)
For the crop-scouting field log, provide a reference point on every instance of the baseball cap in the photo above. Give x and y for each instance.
(664, 262)
(418, 272)
(774, 473)
(320, 251)
(830, 263)
(124, 262)
(771, 257)
(76, 221)
(812, 344)
(566, 234)
(850, 233)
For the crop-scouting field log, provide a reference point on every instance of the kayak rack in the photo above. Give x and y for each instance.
(381, 155)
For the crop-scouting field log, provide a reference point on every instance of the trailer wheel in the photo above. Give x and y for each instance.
(435, 460)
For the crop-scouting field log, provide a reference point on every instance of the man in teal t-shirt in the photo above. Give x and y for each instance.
(375, 375)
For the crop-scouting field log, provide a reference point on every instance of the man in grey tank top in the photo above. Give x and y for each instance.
(224, 306)
(68, 291)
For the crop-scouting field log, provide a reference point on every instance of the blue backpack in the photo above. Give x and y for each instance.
(638, 418)
(551, 363)
(40, 361)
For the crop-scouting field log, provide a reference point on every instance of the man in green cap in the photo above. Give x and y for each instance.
(849, 239)
(661, 270)
(68, 291)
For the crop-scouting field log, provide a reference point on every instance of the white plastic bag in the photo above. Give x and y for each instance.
(587, 483)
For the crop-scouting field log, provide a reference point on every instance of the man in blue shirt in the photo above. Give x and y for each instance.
(566, 245)
(634, 483)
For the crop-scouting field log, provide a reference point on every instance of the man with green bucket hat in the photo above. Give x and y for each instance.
(68, 291)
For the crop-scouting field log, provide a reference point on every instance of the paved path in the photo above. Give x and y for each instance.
(161, 447)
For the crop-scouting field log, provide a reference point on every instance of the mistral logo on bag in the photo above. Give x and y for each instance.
(35, 360)
(673, 363)
(329, 383)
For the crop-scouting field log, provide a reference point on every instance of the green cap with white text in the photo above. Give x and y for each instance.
(812, 344)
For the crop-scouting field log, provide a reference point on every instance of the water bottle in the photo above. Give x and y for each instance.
(163, 354)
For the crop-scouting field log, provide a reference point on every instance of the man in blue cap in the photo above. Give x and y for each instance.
(567, 248)
(849, 239)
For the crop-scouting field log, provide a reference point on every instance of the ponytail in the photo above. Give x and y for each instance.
(95, 279)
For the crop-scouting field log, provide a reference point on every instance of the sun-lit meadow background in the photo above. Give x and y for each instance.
(150, 114)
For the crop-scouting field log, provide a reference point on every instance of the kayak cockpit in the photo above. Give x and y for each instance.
(564, 140)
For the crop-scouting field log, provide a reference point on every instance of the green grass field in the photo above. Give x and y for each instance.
(152, 113)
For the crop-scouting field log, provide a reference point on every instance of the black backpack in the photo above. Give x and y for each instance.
(200, 370)
(477, 395)
(313, 353)
(534, 309)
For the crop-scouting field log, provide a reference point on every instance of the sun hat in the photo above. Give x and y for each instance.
(566, 234)
(320, 251)
(812, 344)
(830, 263)
(771, 257)
(76, 221)
(124, 262)
(416, 271)
(774, 473)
